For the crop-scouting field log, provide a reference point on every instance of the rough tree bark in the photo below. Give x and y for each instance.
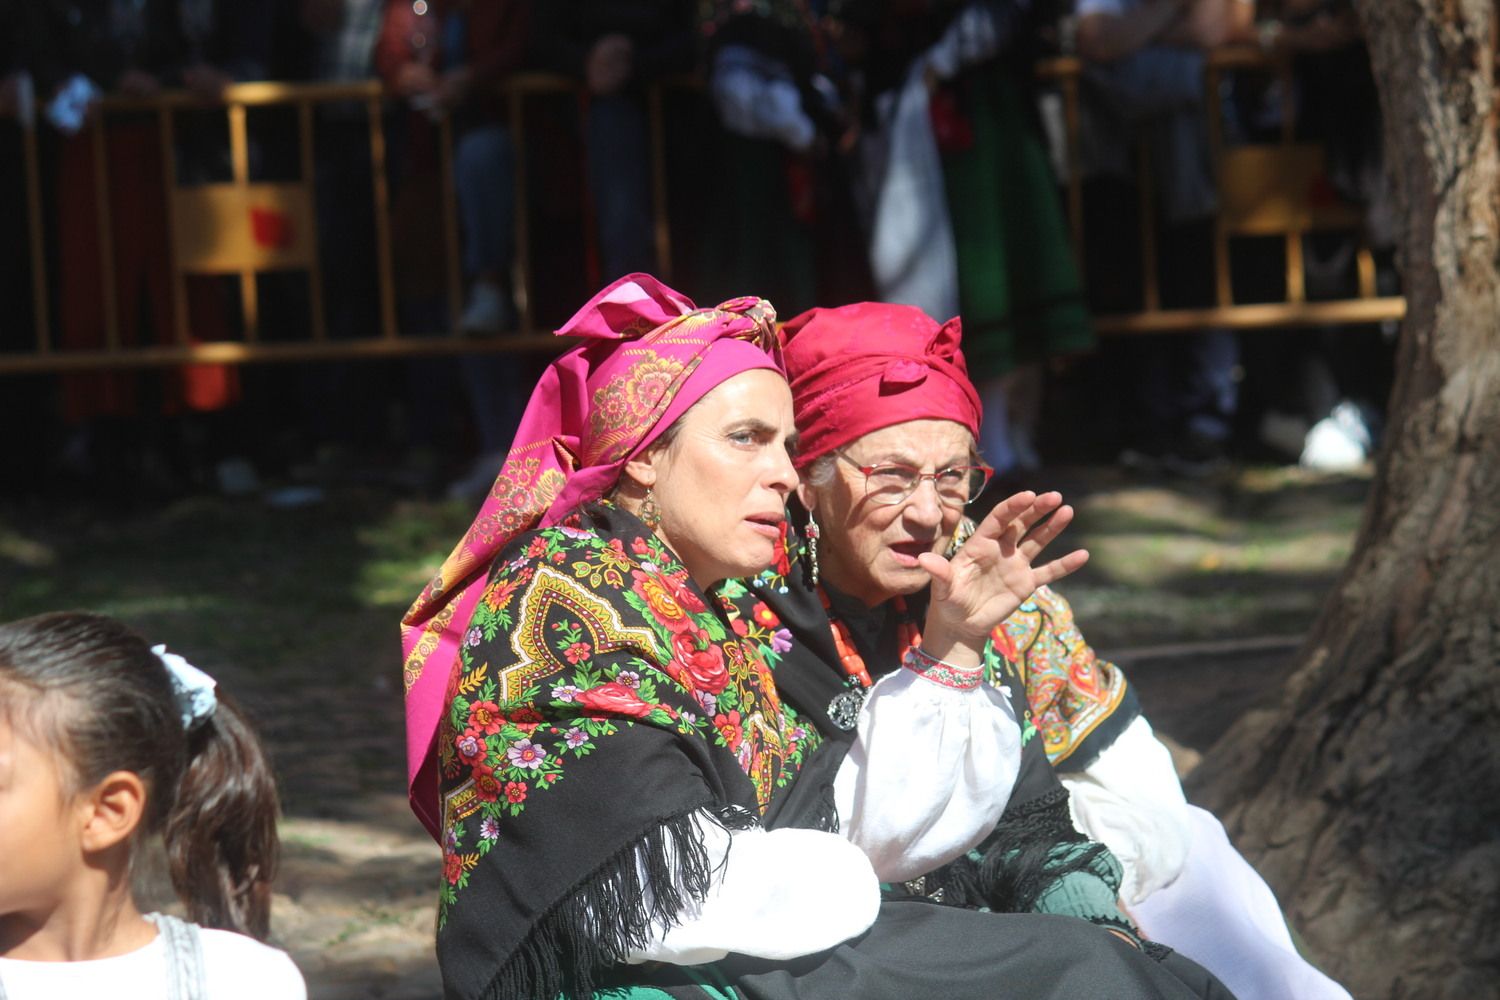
(1371, 798)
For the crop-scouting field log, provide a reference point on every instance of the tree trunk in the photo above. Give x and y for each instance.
(1371, 798)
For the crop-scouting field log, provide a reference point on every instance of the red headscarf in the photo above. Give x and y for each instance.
(649, 354)
(858, 368)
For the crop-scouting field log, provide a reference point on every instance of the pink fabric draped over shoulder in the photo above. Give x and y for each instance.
(648, 355)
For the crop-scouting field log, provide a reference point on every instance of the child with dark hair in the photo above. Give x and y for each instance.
(105, 740)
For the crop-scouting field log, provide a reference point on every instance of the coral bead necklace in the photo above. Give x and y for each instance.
(907, 636)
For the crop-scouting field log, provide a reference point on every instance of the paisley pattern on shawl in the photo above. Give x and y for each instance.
(1081, 703)
(592, 663)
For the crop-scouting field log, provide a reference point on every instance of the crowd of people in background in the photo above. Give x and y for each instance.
(826, 151)
(822, 152)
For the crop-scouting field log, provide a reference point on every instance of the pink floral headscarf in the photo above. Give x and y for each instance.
(648, 355)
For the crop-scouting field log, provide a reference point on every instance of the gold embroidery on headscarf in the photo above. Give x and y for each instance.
(629, 402)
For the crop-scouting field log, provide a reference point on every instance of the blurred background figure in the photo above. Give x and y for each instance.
(132, 433)
(1146, 60)
(965, 217)
(780, 88)
(449, 60)
(1319, 396)
(614, 48)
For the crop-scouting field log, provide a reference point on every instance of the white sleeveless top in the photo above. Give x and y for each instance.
(183, 962)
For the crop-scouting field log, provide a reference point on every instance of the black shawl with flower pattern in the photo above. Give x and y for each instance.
(1034, 847)
(601, 698)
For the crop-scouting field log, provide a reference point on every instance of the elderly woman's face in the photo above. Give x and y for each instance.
(869, 550)
(721, 484)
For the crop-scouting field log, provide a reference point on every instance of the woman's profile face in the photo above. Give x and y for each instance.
(721, 484)
(867, 549)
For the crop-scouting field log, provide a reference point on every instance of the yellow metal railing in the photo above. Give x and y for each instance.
(1263, 191)
(213, 228)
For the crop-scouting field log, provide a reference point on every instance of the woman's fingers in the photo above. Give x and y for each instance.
(1042, 535)
(1018, 528)
(1004, 513)
(938, 567)
(1010, 519)
(1059, 568)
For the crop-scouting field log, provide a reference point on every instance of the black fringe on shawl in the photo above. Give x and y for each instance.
(736, 818)
(827, 816)
(610, 913)
(1018, 861)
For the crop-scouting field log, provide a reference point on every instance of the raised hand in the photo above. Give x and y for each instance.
(992, 574)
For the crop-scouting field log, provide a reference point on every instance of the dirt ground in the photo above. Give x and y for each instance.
(1199, 589)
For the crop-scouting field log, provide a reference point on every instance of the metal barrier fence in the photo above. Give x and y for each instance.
(1264, 189)
(244, 228)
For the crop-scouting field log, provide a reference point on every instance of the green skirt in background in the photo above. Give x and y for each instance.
(1019, 289)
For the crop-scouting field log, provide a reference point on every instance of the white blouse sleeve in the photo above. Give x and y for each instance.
(1130, 800)
(760, 877)
(931, 771)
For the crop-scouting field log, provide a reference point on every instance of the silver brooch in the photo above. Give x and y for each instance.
(843, 710)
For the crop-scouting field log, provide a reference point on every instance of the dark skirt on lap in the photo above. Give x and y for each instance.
(918, 950)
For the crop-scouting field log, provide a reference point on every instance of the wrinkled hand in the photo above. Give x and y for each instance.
(992, 574)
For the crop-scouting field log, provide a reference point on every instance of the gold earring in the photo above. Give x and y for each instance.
(650, 512)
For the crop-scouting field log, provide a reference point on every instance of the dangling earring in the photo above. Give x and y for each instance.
(650, 513)
(813, 531)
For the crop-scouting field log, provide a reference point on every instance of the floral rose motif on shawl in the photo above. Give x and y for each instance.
(630, 401)
(576, 639)
(669, 600)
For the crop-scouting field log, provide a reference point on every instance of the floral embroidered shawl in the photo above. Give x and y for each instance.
(1081, 703)
(1034, 847)
(647, 356)
(601, 699)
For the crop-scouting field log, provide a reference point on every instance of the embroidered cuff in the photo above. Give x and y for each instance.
(939, 672)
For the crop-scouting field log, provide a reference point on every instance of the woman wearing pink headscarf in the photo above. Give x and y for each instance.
(613, 776)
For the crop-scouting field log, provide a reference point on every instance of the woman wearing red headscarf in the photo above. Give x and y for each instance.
(888, 422)
(616, 782)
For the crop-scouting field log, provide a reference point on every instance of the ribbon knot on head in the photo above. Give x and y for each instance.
(760, 323)
(903, 375)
